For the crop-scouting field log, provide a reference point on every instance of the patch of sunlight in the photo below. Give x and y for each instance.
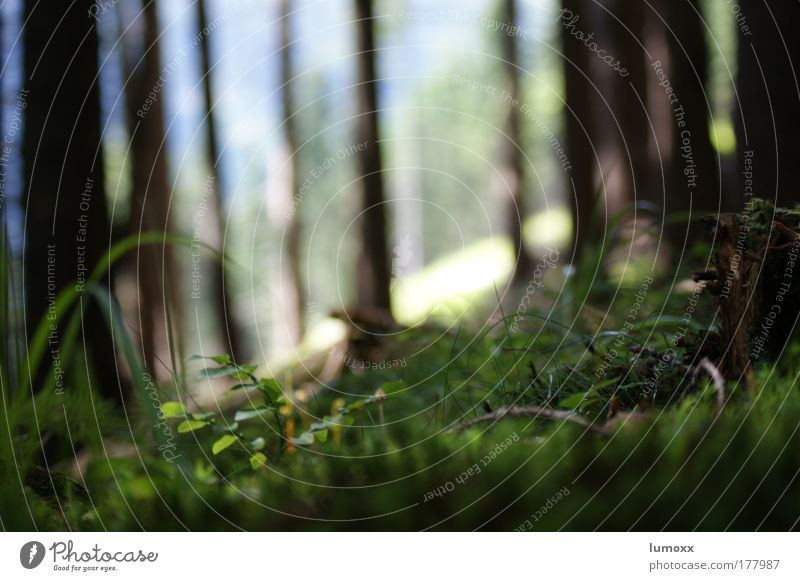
(722, 134)
(551, 227)
(449, 286)
(320, 336)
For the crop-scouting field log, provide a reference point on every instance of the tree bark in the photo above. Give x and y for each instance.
(226, 318)
(756, 283)
(296, 291)
(514, 158)
(691, 149)
(66, 219)
(373, 266)
(767, 88)
(579, 128)
(628, 91)
(154, 264)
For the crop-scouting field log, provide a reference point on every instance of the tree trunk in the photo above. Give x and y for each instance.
(692, 152)
(67, 229)
(373, 266)
(514, 158)
(294, 279)
(767, 88)
(622, 31)
(154, 264)
(228, 323)
(579, 128)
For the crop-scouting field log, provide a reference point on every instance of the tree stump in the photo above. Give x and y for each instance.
(756, 256)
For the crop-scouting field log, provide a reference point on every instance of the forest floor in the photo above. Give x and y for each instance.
(593, 404)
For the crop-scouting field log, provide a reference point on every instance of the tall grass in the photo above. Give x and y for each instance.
(33, 414)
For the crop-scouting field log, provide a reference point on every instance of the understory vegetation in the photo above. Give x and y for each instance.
(578, 417)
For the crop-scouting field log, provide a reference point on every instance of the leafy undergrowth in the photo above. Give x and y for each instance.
(567, 419)
(677, 467)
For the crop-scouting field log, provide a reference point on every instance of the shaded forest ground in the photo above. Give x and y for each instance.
(599, 405)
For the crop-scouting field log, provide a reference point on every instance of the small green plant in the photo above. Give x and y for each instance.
(267, 402)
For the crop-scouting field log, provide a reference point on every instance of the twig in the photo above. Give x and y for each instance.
(530, 411)
(716, 377)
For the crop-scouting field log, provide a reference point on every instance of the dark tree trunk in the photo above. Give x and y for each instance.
(629, 94)
(611, 78)
(691, 150)
(373, 266)
(227, 320)
(604, 40)
(579, 127)
(767, 88)
(157, 306)
(295, 285)
(66, 222)
(514, 157)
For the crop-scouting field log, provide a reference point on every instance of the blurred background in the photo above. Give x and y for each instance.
(395, 143)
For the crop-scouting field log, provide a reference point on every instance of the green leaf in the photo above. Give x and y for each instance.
(226, 428)
(244, 387)
(216, 372)
(257, 444)
(243, 415)
(393, 387)
(321, 436)
(219, 359)
(572, 401)
(224, 442)
(271, 388)
(190, 426)
(201, 415)
(258, 460)
(173, 409)
(305, 439)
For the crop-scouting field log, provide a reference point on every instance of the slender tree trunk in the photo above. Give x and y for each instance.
(227, 320)
(154, 264)
(67, 227)
(692, 150)
(373, 266)
(294, 279)
(768, 134)
(608, 34)
(629, 92)
(514, 155)
(579, 127)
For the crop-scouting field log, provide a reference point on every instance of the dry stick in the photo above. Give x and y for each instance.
(534, 411)
(716, 378)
